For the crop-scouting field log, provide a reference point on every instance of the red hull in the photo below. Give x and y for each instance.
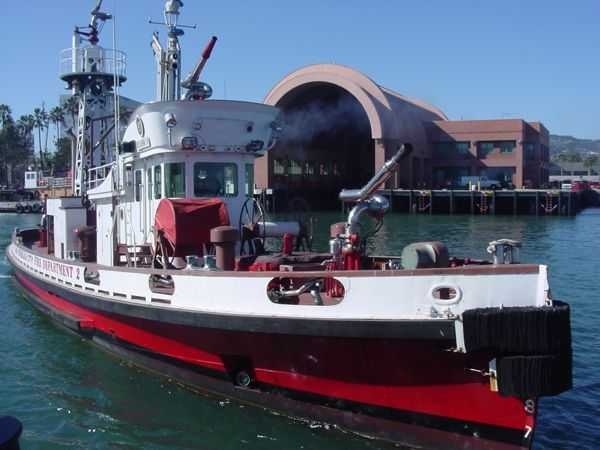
(416, 382)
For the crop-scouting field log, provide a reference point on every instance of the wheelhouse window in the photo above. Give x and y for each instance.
(249, 168)
(215, 180)
(149, 183)
(157, 182)
(138, 185)
(175, 180)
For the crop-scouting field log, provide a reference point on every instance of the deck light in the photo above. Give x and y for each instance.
(255, 146)
(170, 120)
(189, 143)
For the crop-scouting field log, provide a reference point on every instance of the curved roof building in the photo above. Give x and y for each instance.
(340, 126)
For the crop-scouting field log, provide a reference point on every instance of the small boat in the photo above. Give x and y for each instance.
(161, 257)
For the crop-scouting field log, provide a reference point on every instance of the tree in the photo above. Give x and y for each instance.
(14, 147)
(5, 114)
(61, 158)
(57, 117)
(40, 120)
(71, 107)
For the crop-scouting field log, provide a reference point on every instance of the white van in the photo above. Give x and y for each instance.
(482, 181)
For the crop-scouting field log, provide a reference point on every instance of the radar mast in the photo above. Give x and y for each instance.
(91, 73)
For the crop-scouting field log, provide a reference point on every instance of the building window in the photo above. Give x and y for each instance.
(529, 150)
(484, 149)
(336, 169)
(295, 167)
(157, 182)
(215, 180)
(138, 185)
(278, 167)
(442, 147)
(309, 168)
(175, 180)
(506, 146)
(462, 148)
(450, 147)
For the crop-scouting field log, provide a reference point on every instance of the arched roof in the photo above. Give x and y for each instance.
(391, 115)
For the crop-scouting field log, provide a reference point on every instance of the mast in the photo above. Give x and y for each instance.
(91, 73)
(168, 62)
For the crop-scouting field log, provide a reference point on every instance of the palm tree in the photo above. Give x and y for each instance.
(46, 122)
(71, 106)
(39, 120)
(57, 117)
(5, 113)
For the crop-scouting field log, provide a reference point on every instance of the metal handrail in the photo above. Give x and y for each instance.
(96, 175)
(92, 60)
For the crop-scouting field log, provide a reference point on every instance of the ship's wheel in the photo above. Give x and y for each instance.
(252, 228)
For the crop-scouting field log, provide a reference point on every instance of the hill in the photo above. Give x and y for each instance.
(560, 144)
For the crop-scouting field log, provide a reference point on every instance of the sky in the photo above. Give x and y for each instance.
(536, 60)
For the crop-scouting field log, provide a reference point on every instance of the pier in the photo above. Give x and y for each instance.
(525, 201)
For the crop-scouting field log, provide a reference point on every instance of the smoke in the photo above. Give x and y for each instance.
(305, 123)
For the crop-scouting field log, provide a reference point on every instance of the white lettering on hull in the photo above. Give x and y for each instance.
(66, 271)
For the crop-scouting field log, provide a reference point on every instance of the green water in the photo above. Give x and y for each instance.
(70, 394)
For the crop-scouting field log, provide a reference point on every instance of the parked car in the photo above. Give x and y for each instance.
(482, 181)
(578, 186)
(595, 185)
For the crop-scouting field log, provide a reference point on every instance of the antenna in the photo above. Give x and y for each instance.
(92, 31)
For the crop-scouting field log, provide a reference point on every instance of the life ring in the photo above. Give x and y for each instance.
(36, 207)
(27, 209)
(19, 208)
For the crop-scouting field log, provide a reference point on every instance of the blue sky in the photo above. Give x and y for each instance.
(537, 60)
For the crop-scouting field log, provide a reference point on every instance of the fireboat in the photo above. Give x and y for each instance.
(160, 257)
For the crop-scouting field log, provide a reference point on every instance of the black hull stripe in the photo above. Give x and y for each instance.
(405, 427)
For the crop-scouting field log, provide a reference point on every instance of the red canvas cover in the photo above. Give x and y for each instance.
(186, 223)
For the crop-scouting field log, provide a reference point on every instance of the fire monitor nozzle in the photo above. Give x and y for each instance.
(194, 76)
(384, 174)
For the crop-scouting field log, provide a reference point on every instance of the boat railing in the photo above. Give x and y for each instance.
(96, 175)
(92, 60)
(55, 182)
